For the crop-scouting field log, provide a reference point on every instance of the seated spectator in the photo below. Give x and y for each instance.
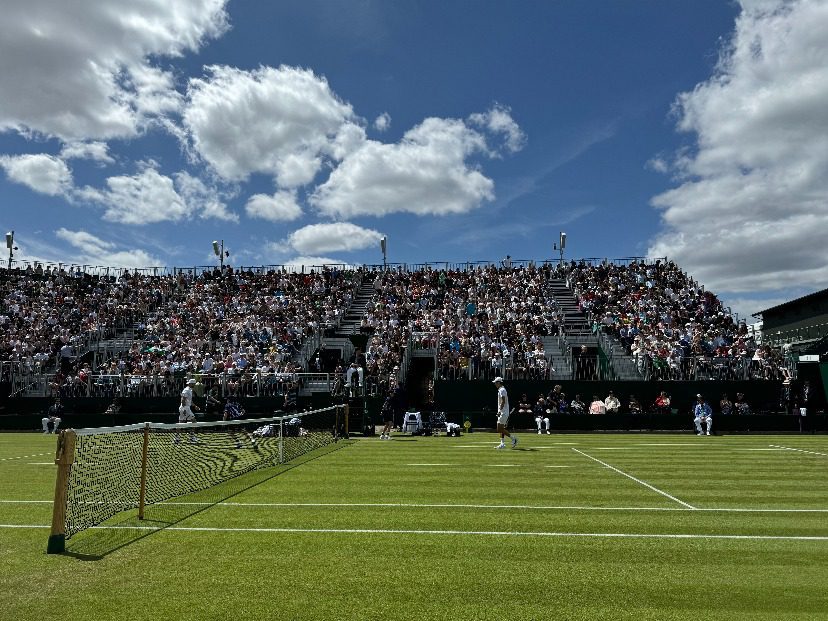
(725, 405)
(524, 407)
(662, 403)
(740, 406)
(597, 406)
(702, 416)
(541, 416)
(634, 406)
(232, 409)
(53, 417)
(612, 403)
(578, 406)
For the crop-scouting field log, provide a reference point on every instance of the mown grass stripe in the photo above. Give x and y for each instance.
(403, 531)
(629, 476)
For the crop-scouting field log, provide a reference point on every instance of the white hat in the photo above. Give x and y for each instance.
(497, 379)
(191, 381)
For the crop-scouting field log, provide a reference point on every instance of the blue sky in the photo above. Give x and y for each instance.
(304, 131)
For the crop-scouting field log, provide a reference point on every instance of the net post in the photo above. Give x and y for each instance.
(142, 493)
(64, 457)
(347, 436)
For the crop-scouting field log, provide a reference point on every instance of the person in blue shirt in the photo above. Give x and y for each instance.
(702, 416)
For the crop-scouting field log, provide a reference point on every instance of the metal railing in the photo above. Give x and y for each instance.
(795, 335)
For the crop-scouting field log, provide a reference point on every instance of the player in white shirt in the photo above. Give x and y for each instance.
(185, 410)
(503, 413)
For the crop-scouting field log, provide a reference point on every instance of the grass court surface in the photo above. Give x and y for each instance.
(563, 527)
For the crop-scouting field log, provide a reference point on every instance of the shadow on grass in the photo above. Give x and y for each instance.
(125, 529)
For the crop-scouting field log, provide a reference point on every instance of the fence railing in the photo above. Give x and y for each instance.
(795, 335)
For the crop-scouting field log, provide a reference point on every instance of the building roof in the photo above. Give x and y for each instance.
(794, 302)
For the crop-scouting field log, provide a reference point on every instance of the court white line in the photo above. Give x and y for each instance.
(489, 533)
(788, 448)
(670, 444)
(434, 464)
(40, 463)
(557, 466)
(629, 476)
(27, 456)
(758, 449)
(502, 465)
(402, 505)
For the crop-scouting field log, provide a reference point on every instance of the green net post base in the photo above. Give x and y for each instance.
(56, 545)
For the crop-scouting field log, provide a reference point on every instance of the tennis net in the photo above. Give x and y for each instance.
(106, 471)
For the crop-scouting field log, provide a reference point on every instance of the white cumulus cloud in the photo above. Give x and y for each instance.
(332, 237)
(202, 199)
(281, 206)
(498, 120)
(42, 173)
(88, 70)
(427, 172)
(94, 150)
(92, 250)
(382, 122)
(271, 120)
(750, 212)
(148, 197)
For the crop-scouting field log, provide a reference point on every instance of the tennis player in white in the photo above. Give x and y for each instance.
(185, 410)
(503, 413)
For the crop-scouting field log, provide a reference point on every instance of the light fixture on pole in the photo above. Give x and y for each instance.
(10, 245)
(220, 252)
(384, 247)
(562, 245)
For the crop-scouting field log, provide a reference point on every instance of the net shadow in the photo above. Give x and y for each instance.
(124, 529)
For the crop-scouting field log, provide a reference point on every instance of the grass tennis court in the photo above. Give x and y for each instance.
(563, 527)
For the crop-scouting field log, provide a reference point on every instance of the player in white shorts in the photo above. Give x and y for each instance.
(185, 410)
(503, 413)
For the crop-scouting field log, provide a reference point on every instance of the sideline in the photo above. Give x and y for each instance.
(489, 533)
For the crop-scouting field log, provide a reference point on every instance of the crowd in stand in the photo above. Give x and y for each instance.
(47, 315)
(481, 321)
(237, 328)
(666, 321)
(233, 327)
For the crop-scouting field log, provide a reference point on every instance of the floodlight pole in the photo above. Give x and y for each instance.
(10, 246)
(384, 247)
(561, 246)
(218, 250)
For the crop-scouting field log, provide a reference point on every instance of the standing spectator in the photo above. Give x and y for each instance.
(802, 400)
(612, 403)
(702, 416)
